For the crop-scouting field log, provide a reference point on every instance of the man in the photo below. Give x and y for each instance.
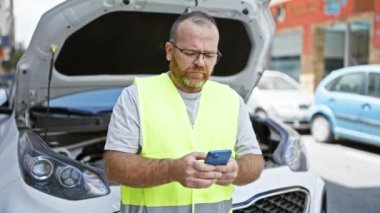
(162, 127)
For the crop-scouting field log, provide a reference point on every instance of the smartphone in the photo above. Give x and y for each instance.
(218, 157)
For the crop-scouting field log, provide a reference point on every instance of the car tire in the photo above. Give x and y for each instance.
(261, 114)
(321, 129)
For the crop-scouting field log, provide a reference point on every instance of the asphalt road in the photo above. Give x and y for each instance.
(351, 172)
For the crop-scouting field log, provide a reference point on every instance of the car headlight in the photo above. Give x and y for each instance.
(57, 175)
(291, 152)
(39, 167)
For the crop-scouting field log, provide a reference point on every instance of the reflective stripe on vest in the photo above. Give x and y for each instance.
(220, 207)
(167, 133)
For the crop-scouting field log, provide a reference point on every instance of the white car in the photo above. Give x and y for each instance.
(82, 53)
(3, 96)
(278, 96)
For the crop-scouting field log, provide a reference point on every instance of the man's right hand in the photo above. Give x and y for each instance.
(190, 172)
(136, 171)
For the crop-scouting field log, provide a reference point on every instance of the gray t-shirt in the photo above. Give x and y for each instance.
(124, 129)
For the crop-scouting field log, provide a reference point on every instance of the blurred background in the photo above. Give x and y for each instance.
(312, 38)
(18, 19)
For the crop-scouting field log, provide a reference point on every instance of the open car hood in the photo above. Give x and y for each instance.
(107, 43)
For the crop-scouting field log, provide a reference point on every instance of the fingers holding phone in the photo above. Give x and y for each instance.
(192, 173)
(224, 164)
(229, 172)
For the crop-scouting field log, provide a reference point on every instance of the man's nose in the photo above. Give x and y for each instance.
(200, 59)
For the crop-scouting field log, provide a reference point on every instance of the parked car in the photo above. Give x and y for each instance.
(3, 96)
(5, 85)
(82, 53)
(347, 105)
(280, 97)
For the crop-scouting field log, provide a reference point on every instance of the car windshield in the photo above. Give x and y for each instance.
(91, 101)
(275, 83)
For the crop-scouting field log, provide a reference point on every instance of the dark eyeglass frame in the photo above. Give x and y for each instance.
(206, 55)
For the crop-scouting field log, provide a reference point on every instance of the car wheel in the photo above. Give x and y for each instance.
(321, 129)
(261, 114)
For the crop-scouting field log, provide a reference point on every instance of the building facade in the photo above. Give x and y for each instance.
(314, 37)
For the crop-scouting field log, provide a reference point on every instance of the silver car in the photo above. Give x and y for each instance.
(82, 52)
(280, 97)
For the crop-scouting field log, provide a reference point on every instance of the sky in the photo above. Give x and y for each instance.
(27, 14)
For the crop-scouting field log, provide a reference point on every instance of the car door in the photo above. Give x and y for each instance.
(345, 101)
(370, 109)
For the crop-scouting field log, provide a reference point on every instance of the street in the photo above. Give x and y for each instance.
(351, 172)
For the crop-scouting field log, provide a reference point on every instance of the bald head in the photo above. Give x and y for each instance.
(198, 18)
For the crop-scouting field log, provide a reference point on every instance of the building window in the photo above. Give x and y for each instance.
(346, 44)
(285, 53)
(289, 65)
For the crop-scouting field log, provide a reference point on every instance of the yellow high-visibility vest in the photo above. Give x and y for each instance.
(168, 134)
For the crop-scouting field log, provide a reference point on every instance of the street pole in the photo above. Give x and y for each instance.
(347, 45)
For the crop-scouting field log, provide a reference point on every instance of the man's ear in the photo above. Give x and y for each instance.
(169, 51)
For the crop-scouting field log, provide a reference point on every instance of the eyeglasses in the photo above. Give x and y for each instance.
(208, 57)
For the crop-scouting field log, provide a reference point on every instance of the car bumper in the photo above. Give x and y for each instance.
(279, 182)
(19, 197)
(299, 125)
(297, 119)
(23, 198)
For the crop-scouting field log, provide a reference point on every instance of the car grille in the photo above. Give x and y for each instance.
(290, 202)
